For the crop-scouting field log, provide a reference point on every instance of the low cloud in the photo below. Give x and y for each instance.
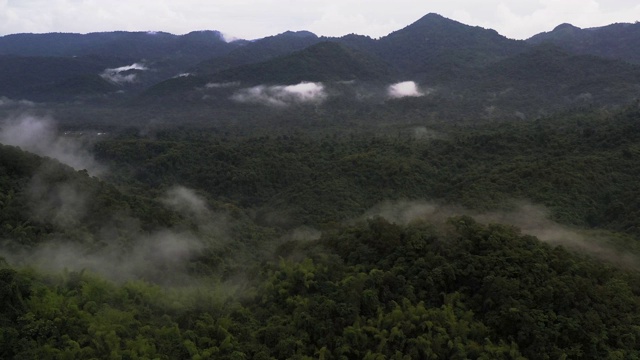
(162, 257)
(63, 204)
(213, 85)
(40, 136)
(529, 218)
(120, 250)
(123, 74)
(194, 207)
(186, 202)
(6, 102)
(280, 96)
(404, 89)
(424, 133)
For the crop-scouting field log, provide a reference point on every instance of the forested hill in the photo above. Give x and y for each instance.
(435, 43)
(199, 244)
(259, 50)
(615, 41)
(132, 46)
(325, 61)
(439, 193)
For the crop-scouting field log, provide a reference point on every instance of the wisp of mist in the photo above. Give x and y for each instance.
(40, 136)
(529, 218)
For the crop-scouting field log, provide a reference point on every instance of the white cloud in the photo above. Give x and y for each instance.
(304, 92)
(404, 89)
(123, 74)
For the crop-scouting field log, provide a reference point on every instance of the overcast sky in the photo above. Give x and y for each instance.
(251, 19)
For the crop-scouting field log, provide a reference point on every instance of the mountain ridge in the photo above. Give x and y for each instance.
(434, 51)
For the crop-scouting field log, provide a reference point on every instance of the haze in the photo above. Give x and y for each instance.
(252, 19)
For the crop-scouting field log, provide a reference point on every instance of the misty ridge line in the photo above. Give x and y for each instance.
(40, 136)
(161, 256)
(64, 204)
(528, 218)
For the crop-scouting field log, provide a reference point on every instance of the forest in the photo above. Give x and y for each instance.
(442, 192)
(429, 239)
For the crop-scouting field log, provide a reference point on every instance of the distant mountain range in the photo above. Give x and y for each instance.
(564, 67)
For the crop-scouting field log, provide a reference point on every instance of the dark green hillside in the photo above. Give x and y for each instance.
(326, 61)
(175, 88)
(490, 210)
(133, 46)
(22, 76)
(54, 44)
(78, 87)
(36, 62)
(548, 78)
(371, 290)
(619, 41)
(43, 200)
(571, 164)
(358, 42)
(437, 46)
(259, 50)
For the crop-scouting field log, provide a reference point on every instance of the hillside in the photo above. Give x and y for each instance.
(442, 192)
(500, 240)
(453, 62)
(131, 46)
(259, 50)
(325, 61)
(615, 41)
(435, 46)
(548, 79)
(35, 78)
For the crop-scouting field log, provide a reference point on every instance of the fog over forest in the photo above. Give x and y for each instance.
(441, 192)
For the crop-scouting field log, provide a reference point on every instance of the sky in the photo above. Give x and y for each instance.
(253, 19)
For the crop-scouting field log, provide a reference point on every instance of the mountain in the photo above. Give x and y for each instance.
(34, 77)
(126, 45)
(615, 41)
(76, 87)
(358, 42)
(566, 66)
(259, 50)
(547, 77)
(165, 55)
(325, 61)
(434, 44)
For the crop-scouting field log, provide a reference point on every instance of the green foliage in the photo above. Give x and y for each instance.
(260, 50)
(416, 286)
(612, 41)
(325, 61)
(581, 166)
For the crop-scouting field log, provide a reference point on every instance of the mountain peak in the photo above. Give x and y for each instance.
(299, 34)
(432, 18)
(565, 27)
